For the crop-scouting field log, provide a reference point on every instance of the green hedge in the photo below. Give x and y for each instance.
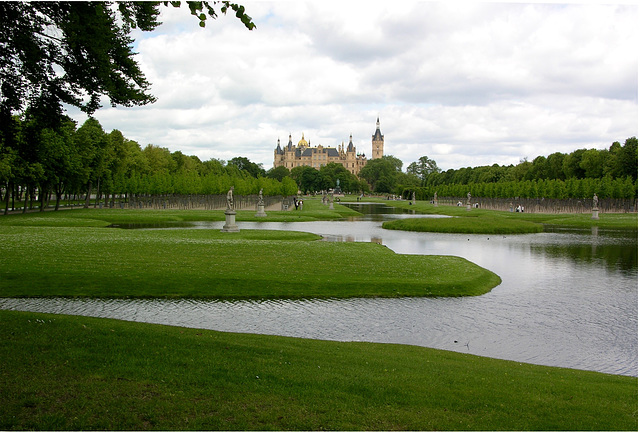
(619, 188)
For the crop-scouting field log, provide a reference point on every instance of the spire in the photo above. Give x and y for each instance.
(377, 136)
(377, 142)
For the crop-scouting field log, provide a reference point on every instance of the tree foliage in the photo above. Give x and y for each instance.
(243, 163)
(87, 162)
(382, 173)
(423, 167)
(310, 180)
(611, 173)
(77, 52)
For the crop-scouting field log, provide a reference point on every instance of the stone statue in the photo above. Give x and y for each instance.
(260, 198)
(595, 201)
(469, 198)
(435, 196)
(413, 196)
(230, 199)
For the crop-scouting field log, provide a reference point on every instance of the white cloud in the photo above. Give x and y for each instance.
(465, 83)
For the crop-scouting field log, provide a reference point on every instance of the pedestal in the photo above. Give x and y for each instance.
(468, 207)
(594, 214)
(261, 212)
(230, 222)
(331, 205)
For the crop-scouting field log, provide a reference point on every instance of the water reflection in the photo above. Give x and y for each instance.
(350, 238)
(376, 211)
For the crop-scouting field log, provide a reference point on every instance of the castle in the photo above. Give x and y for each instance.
(304, 155)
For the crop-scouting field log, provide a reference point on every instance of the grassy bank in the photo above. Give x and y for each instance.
(497, 222)
(313, 210)
(78, 373)
(470, 225)
(109, 262)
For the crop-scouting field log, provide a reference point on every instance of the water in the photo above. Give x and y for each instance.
(567, 299)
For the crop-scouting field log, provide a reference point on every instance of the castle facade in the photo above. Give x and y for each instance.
(305, 155)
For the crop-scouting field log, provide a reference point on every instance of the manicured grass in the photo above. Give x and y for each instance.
(313, 210)
(109, 262)
(471, 225)
(498, 222)
(78, 373)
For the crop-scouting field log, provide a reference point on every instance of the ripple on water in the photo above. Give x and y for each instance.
(566, 299)
(450, 324)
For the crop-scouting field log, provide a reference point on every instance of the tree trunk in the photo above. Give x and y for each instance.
(26, 201)
(32, 197)
(86, 200)
(13, 197)
(42, 199)
(95, 203)
(58, 195)
(6, 198)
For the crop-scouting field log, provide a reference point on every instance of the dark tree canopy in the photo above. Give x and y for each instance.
(77, 52)
(278, 173)
(243, 163)
(381, 173)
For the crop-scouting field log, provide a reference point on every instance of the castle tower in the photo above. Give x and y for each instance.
(377, 142)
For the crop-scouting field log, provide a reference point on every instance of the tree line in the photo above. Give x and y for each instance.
(609, 173)
(621, 188)
(45, 163)
(81, 162)
(78, 53)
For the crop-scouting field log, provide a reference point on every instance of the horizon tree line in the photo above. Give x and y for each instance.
(81, 162)
(610, 173)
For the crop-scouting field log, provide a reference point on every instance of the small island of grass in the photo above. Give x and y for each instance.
(73, 253)
(467, 225)
(483, 221)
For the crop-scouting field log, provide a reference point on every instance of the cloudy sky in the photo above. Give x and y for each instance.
(465, 83)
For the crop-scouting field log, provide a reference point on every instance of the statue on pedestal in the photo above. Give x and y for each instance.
(230, 225)
(595, 212)
(230, 199)
(261, 212)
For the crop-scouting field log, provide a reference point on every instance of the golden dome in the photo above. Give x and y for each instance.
(303, 142)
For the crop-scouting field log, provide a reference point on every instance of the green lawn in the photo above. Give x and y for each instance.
(78, 373)
(497, 222)
(313, 210)
(467, 224)
(71, 253)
